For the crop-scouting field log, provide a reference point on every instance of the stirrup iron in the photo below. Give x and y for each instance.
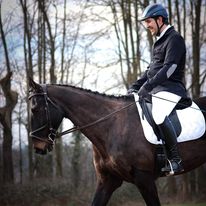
(171, 172)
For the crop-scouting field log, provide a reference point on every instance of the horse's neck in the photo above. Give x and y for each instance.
(83, 107)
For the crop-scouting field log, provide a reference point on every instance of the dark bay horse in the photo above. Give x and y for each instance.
(121, 152)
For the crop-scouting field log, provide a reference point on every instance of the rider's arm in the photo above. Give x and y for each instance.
(136, 85)
(174, 55)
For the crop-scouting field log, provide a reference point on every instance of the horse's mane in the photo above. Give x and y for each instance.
(114, 97)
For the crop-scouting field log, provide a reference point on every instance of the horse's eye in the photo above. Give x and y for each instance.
(34, 108)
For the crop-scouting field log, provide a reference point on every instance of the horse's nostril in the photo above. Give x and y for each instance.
(40, 151)
(50, 148)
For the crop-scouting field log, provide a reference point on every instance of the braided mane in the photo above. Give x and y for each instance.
(119, 97)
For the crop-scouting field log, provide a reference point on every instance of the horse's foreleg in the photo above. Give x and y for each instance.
(105, 188)
(146, 185)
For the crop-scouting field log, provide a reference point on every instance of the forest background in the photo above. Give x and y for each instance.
(94, 44)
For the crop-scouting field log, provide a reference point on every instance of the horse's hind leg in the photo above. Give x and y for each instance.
(105, 188)
(146, 185)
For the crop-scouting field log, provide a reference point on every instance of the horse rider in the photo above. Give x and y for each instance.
(163, 79)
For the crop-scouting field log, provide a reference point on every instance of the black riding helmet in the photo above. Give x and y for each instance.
(154, 11)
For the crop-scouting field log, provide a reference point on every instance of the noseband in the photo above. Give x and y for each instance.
(52, 132)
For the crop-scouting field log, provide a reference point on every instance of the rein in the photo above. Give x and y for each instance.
(77, 128)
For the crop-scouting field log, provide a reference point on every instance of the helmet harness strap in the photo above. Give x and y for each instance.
(158, 27)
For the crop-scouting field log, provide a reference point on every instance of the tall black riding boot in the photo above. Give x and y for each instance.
(170, 139)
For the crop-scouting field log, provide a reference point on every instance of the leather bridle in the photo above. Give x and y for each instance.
(52, 132)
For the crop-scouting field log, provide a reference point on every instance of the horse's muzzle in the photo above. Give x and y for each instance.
(40, 151)
(42, 147)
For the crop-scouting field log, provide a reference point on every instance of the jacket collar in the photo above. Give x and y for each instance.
(163, 32)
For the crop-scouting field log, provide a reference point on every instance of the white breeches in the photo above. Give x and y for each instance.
(162, 105)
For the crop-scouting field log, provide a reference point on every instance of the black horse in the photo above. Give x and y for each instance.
(112, 124)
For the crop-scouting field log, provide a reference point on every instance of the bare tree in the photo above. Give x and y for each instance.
(195, 22)
(42, 7)
(29, 70)
(6, 113)
(126, 15)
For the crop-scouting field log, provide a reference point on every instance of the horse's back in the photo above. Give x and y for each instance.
(201, 102)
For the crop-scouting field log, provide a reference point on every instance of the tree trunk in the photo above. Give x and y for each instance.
(76, 161)
(11, 98)
(185, 190)
(128, 39)
(171, 186)
(29, 73)
(20, 144)
(195, 22)
(53, 78)
(1, 158)
(58, 153)
(6, 121)
(63, 44)
(170, 11)
(178, 16)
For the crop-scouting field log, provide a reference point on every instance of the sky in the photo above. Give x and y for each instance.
(101, 80)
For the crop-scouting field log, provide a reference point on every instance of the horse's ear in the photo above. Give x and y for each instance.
(34, 86)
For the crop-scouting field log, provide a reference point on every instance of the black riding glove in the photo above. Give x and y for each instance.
(131, 90)
(144, 91)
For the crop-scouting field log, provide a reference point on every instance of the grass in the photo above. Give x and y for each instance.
(188, 204)
(61, 194)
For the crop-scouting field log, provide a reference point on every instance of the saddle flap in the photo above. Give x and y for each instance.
(191, 128)
(147, 112)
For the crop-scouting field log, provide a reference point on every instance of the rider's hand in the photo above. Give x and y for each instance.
(131, 90)
(144, 91)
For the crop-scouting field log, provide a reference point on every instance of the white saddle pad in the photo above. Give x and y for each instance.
(191, 119)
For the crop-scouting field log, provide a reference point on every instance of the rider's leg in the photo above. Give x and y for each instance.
(170, 139)
(162, 105)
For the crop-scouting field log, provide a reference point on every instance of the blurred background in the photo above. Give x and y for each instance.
(97, 45)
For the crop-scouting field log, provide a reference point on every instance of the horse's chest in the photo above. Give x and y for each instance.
(109, 163)
(113, 165)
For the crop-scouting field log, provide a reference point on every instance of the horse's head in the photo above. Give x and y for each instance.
(45, 118)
